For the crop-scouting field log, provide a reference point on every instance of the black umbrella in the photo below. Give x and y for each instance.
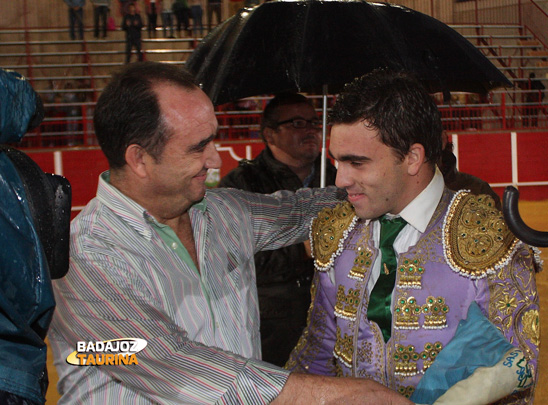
(318, 46)
(305, 44)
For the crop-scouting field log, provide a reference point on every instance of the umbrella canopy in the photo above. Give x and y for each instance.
(306, 44)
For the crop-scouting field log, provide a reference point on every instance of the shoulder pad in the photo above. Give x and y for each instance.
(328, 232)
(476, 240)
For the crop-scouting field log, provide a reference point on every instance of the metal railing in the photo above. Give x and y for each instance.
(62, 127)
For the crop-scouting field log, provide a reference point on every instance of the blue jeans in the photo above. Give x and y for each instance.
(100, 13)
(167, 22)
(196, 12)
(76, 17)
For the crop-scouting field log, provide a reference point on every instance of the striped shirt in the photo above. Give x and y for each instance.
(202, 328)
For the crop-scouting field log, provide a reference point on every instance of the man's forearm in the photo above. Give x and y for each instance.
(307, 389)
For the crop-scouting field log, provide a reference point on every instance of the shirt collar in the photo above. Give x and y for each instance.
(134, 214)
(201, 205)
(419, 211)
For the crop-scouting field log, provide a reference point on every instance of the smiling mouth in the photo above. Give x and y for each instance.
(355, 196)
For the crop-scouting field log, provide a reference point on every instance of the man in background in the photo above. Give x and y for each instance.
(291, 131)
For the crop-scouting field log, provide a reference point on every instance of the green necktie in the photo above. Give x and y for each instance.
(381, 296)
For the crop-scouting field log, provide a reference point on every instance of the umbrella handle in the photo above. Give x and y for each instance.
(515, 223)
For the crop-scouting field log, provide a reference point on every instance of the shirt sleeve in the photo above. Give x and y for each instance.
(98, 300)
(283, 218)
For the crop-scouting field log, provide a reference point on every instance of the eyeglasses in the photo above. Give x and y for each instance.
(300, 123)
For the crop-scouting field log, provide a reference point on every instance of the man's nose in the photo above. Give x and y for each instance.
(342, 180)
(213, 159)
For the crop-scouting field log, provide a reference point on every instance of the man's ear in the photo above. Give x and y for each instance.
(137, 159)
(415, 159)
(268, 134)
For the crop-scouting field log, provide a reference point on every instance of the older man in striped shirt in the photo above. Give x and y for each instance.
(157, 257)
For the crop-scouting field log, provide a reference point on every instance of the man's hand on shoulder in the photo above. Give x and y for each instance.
(314, 389)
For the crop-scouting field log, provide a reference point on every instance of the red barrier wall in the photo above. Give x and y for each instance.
(488, 156)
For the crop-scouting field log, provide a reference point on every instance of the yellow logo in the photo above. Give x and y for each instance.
(109, 352)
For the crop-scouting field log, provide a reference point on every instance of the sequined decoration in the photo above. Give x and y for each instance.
(410, 274)
(406, 391)
(344, 348)
(406, 314)
(476, 240)
(405, 360)
(431, 351)
(362, 263)
(328, 232)
(435, 313)
(346, 306)
(531, 326)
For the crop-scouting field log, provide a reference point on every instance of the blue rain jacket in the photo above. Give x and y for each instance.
(26, 296)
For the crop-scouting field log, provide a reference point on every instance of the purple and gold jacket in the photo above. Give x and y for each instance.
(466, 254)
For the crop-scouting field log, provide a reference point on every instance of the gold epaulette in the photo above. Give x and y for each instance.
(476, 240)
(328, 232)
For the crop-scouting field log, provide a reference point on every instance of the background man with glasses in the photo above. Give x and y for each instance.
(291, 131)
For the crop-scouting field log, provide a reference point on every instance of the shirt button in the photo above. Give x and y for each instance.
(174, 245)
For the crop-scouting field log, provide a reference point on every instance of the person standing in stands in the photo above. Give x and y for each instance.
(159, 257)
(132, 25)
(291, 131)
(100, 12)
(182, 15)
(196, 11)
(76, 17)
(152, 7)
(213, 7)
(167, 18)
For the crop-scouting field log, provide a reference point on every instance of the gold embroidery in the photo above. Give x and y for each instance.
(407, 313)
(531, 326)
(346, 306)
(431, 351)
(506, 304)
(362, 263)
(435, 313)
(476, 240)
(406, 391)
(328, 231)
(344, 348)
(306, 350)
(519, 324)
(338, 370)
(405, 360)
(410, 274)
